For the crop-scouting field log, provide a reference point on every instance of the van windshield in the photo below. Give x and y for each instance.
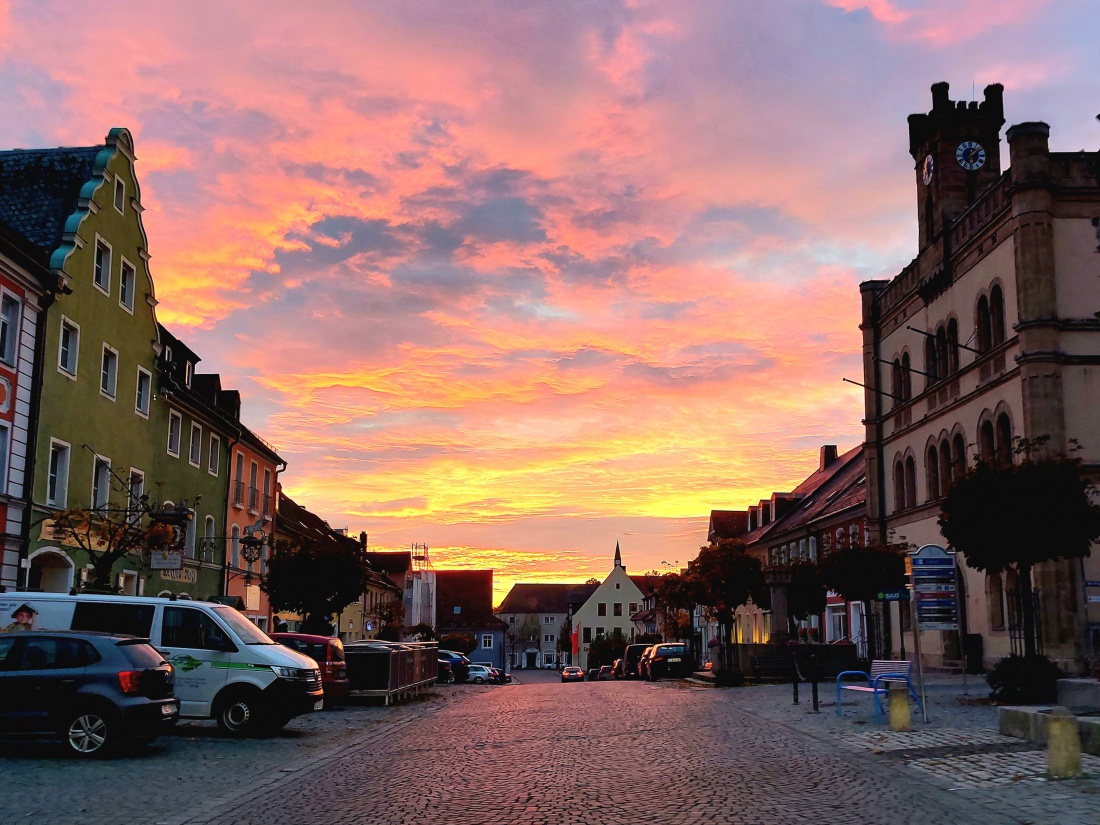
(248, 632)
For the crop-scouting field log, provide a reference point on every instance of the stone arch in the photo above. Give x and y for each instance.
(51, 570)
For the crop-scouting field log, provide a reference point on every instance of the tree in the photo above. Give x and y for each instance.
(565, 638)
(859, 573)
(459, 643)
(317, 578)
(109, 533)
(604, 649)
(676, 597)
(422, 632)
(593, 580)
(806, 591)
(391, 618)
(724, 577)
(1019, 515)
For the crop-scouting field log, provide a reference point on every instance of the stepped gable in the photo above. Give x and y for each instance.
(39, 189)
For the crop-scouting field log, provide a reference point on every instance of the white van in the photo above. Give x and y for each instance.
(227, 669)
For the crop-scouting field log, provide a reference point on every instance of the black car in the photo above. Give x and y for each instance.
(666, 660)
(95, 691)
(631, 657)
(460, 665)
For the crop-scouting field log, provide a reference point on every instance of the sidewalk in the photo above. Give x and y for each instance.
(959, 749)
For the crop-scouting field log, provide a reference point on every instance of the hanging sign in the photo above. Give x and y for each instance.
(935, 588)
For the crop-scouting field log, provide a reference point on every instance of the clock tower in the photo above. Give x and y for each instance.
(956, 148)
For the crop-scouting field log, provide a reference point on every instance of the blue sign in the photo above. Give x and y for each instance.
(935, 587)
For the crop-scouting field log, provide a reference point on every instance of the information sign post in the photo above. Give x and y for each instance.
(935, 600)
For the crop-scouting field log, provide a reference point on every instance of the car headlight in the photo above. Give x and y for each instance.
(291, 672)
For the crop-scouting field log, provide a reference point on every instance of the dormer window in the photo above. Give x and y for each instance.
(120, 195)
(188, 371)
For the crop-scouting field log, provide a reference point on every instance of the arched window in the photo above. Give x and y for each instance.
(813, 549)
(982, 322)
(958, 456)
(853, 536)
(943, 358)
(235, 547)
(906, 377)
(945, 467)
(987, 448)
(996, 316)
(994, 591)
(1004, 439)
(910, 482)
(802, 549)
(899, 494)
(933, 472)
(930, 366)
(840, 537)
(896, 387)
(208, 539)
(952, 346)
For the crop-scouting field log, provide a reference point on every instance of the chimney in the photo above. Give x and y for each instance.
(828, 456)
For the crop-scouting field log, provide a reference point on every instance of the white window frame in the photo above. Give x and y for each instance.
(120, 184)
(101, 461)
(74, 352)
(135, 492)
(122, 267)
(111, 393)
(486, 637)
(99, 241)
(148, 376)
(61, 483)
(214, 451)
(194, 447)
(175, 416)
(188, 373)
(9, 354)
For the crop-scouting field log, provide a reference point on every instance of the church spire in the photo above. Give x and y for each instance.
(618, 556)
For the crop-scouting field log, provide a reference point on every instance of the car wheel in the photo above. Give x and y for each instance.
(478, 680)
(91, 731)
(238, 713)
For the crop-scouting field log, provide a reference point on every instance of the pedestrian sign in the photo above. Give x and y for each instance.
(935, 588)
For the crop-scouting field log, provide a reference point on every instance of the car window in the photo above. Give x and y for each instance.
(245, 630)
(142, 655)
(45, 652)
(111, 617)
(6, 644)
(188, 627)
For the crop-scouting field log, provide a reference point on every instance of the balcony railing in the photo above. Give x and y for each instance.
(238, 494)
(253, 499)
(266, 505)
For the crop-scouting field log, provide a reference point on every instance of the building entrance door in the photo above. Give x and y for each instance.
(531, 655)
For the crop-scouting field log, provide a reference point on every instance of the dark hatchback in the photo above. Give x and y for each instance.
(666, 660)
(95, 691)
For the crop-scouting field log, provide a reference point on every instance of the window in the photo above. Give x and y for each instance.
(58, 483)
(487, 641)
(899, 486)
(238, 482)
(906, 378)
(933, 471)
(586, 635)
(996, 316)
(1004, 440)
(601, 609)
(102, 273)
(190, 537)
(548, 619)
(214, 456)
(208, 539)
(9, 329)
(633, 608)
(952, 346)
(175, 427)
(994, 589)
(986, 442)
(511, 620)
(930, 366)
(137, 490)
(267, 493)
(108, 374)
(910, 482)
(108, 617)
(68, 347)
(235, 546)
(194, 454)
(126, 285)
(5, 442)
(143, 392)
(187, 627)
(983, 324)
(617, 609)
(253, 493)
(548, 637)
(958, 456)
(101, 482)
(188, 372)
(599, 632)
(120, 195)
(945, 467)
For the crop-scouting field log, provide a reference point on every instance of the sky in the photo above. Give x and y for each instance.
(521, 280)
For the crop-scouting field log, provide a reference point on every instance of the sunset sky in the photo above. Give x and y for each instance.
(521, 280)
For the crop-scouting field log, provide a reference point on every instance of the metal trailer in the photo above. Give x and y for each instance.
(392, 671)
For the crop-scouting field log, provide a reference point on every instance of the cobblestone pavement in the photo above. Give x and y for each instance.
(540, 752)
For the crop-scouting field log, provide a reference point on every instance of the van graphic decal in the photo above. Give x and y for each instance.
(186, 663)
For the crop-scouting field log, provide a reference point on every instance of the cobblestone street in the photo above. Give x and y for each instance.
(544, 752)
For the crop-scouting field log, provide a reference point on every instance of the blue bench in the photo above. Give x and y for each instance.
(882, 672)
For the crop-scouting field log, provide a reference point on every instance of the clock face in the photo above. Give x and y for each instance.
(970, 155)
(927, 167)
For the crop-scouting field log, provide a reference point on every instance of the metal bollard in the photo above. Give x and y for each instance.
(794, 681)
(899, 707)
(1063, 745)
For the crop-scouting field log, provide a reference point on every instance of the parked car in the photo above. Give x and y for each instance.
(617, 669)
(572, 674)
(500, 676)
(329, 656)
(631, 656)
(605, 674)
(639, 671)
(95, 691)
(235, 673)
(667, 660)
(593, 674)
(459, 663)
(479, 675)
(446, 674)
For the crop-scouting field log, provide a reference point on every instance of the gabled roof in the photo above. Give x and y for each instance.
(646, 582)
(727, 524)
(39, 189)
(390, 563)
(545, 598)
(471, 591)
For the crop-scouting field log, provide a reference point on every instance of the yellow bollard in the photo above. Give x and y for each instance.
(899, 707)
(1063, 745)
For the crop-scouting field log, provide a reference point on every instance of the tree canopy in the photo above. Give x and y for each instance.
(806, 591)
(724, 576)
(317, 578)
(109, 533)
(1021, 514)
(859, 573)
